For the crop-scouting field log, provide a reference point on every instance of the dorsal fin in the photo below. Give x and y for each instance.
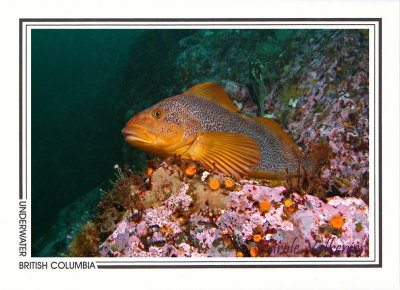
(277, 129)
(214, 93)
(244, 116)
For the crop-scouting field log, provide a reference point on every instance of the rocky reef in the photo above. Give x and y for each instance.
(188, 212)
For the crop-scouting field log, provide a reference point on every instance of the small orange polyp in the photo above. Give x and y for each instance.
(229, 183)
(191, 170)
(288, 202)
(150, 171)
(254, 251)
(337, 222)
(265, 206)
(214, 184)
(257, 238)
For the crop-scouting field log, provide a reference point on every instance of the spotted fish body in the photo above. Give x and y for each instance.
(212, 131)
(276, 156)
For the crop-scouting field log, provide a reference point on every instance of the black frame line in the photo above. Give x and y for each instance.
(197, 22)
(195, 19)
(227, 266)
(20, 110)
(172, 25)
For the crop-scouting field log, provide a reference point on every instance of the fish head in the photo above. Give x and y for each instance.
(162, 130)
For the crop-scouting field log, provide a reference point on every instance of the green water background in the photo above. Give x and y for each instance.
(83, 82)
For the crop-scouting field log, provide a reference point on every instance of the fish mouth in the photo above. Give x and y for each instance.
(137, 134)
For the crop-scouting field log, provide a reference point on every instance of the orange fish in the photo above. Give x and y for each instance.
(203, 124)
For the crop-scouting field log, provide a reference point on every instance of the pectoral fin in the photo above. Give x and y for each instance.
(229, 153)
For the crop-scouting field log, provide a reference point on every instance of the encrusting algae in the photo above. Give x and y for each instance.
(171, 214)
(203, 124)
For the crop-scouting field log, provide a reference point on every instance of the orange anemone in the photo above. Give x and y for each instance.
(254, 251)
(257, 238)
(214, 184)
(337, 222)
(229, 183)
(265, 206)
(288, 202)
(150, 171)
(191, 170)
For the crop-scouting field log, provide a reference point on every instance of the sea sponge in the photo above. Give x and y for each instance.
(204, 196)
(165, 181)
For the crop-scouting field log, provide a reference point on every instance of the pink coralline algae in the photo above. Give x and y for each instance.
(332, 107)
(346, 131)
(293, 226)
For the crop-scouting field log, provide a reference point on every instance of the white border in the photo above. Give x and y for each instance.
(373, 117)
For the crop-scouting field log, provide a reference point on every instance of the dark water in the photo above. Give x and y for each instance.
(83, 82)
(75, 128)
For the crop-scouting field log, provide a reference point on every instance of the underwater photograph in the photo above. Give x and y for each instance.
(200, 143)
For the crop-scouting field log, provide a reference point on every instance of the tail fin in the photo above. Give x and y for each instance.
(314, 161)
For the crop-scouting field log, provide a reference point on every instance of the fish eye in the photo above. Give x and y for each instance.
(157, 113)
